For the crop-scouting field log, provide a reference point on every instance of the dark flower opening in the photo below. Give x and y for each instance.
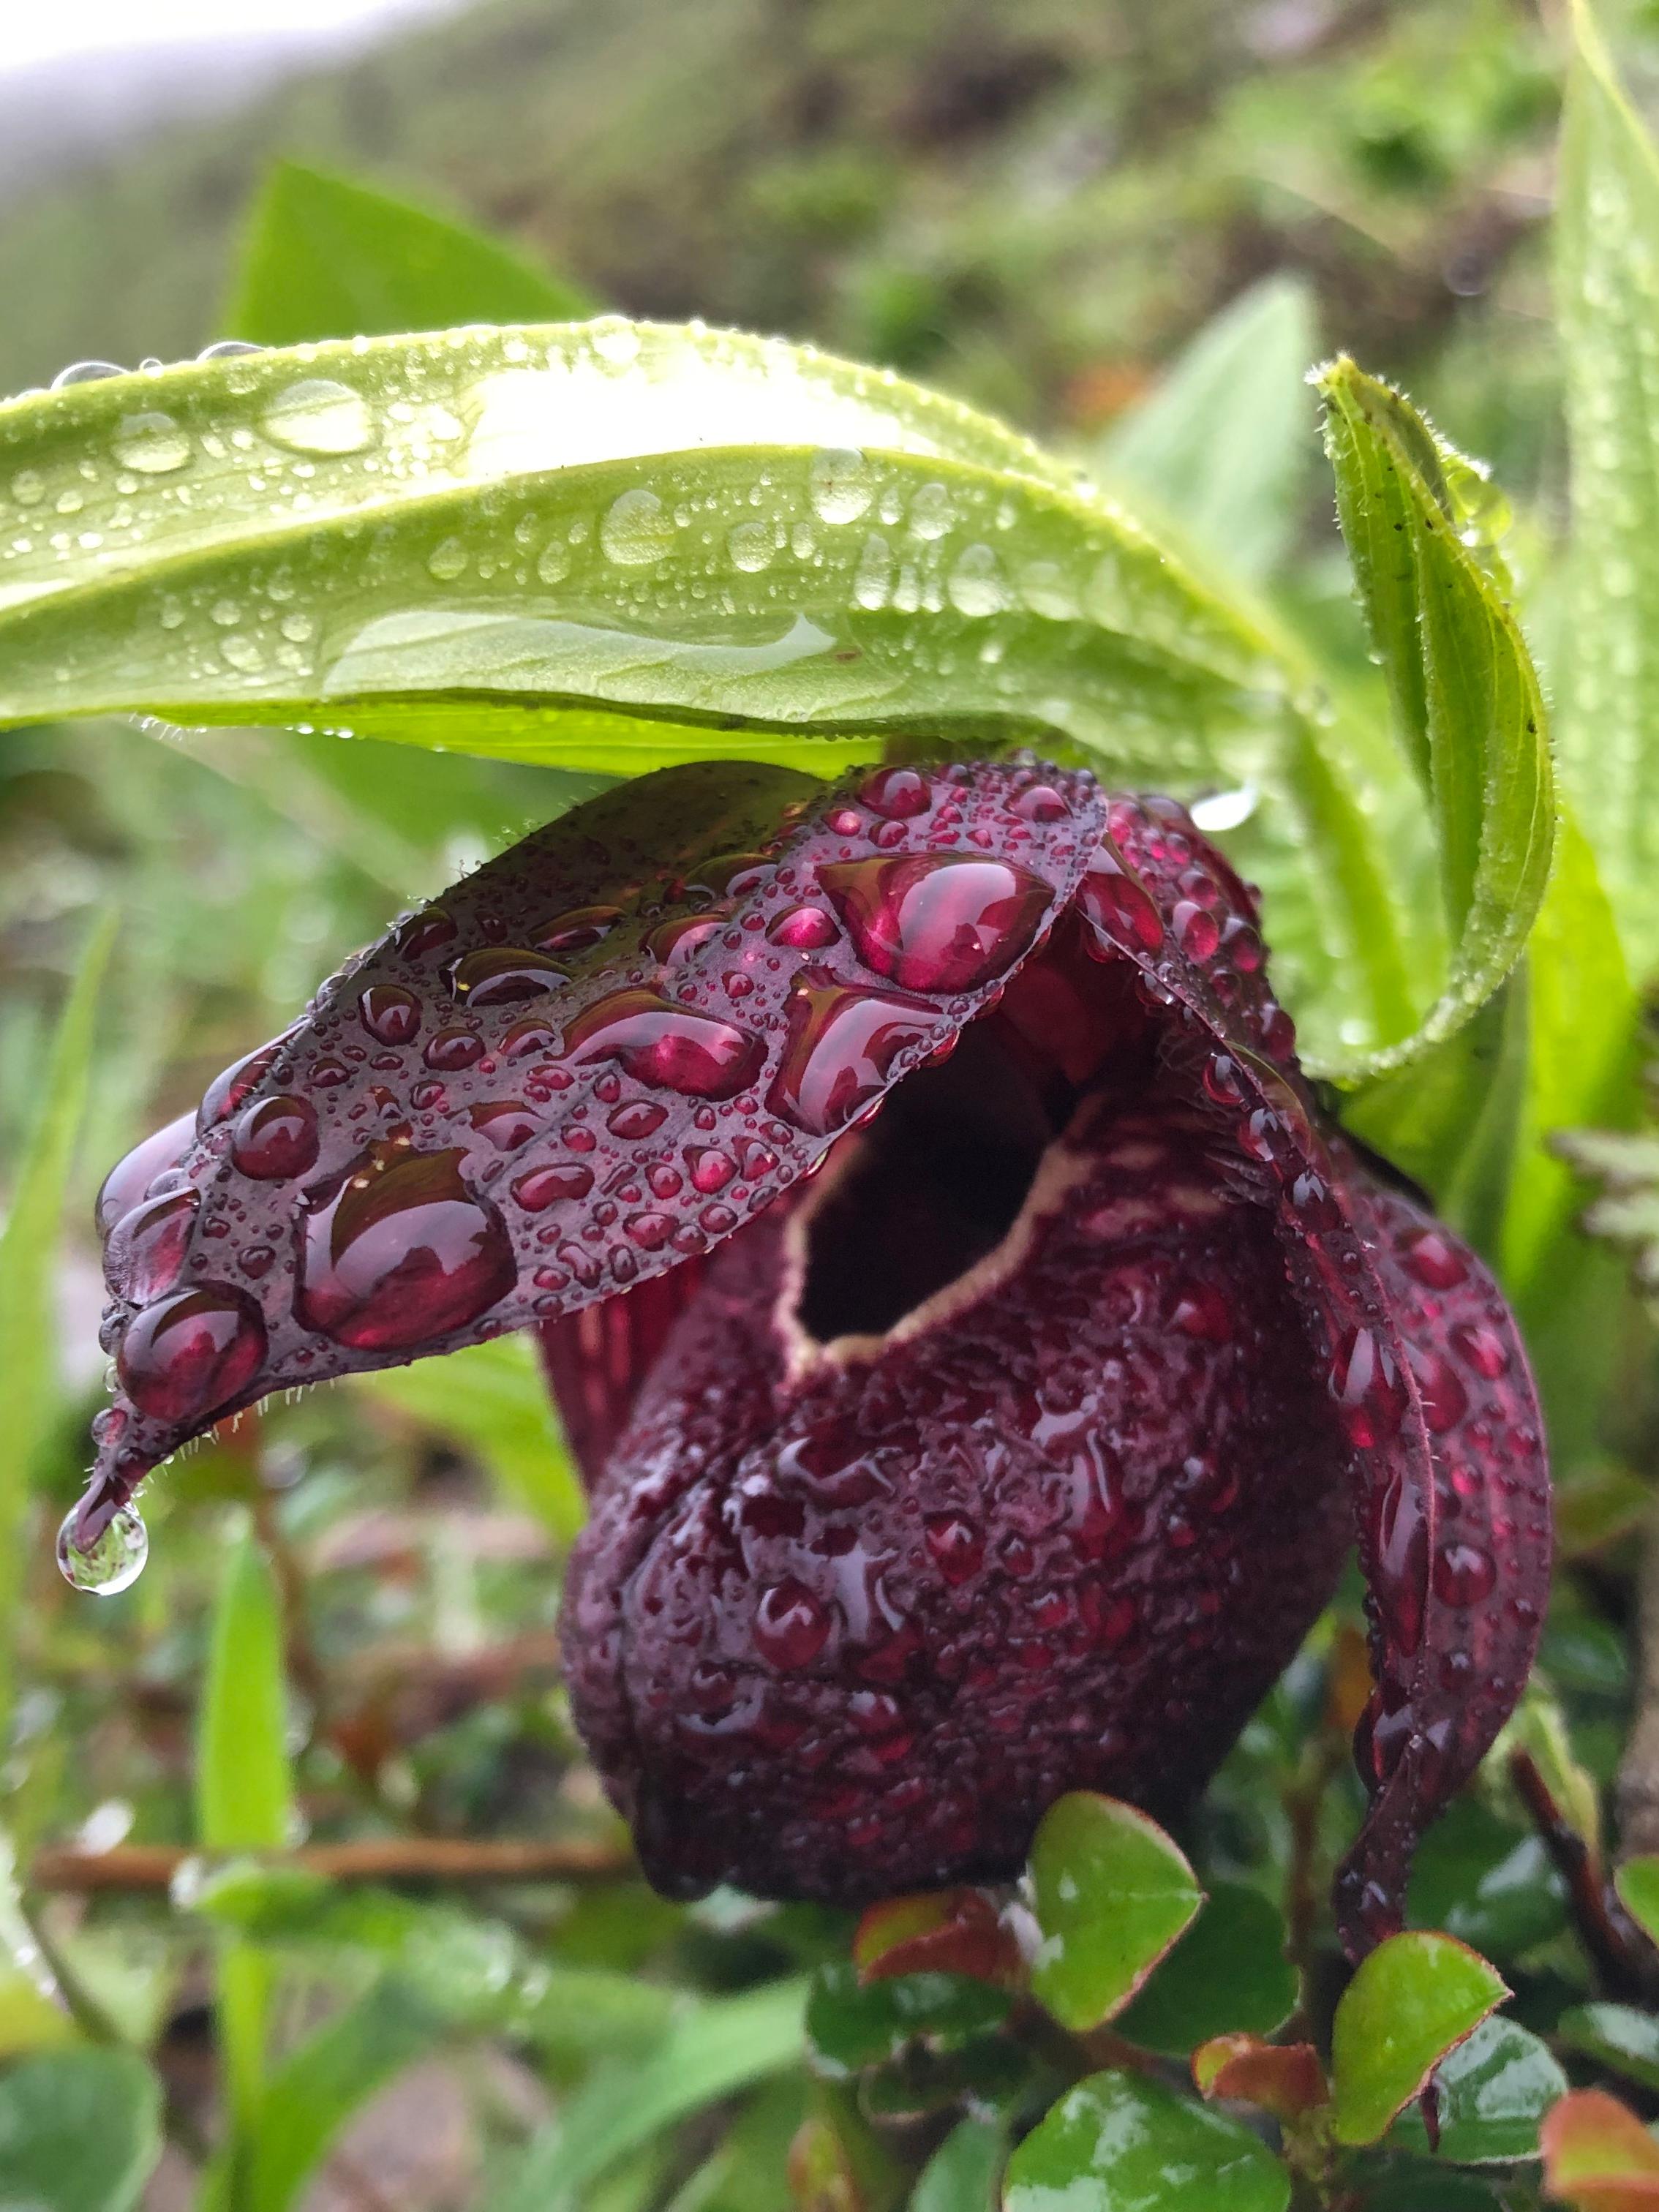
(1015, 1453)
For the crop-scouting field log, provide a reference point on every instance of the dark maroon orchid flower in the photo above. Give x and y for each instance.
(1012, 1454)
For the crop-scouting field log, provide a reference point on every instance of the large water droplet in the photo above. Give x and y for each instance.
(1464, 1574)
(235, 1083)
(975, 584)
(637, 528)
(131, 1176)
(191, 1352)
(838, 484)
(1366, 1386)
(86, 371)
(400, 1252)
(1119, 904)
(275, 1139)
(152, 443)
(146, 1247)
(497, 974)
(389, 1013)
(581, 927)
(666, 1045)
(839, 1051)
(115, 1558)
(791, 1625)
(1434, 1258)
(938, 922)
(318, 416)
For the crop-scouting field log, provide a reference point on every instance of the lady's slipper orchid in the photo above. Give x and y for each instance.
(1015, 1452)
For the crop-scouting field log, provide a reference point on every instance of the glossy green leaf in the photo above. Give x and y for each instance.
(1222, 444)
(1615, 2036)
(1227, 1973)
(29, 1252)
(490, 1400)
(327, 257)
(1637, 1883)
(1493, 2092)
(1111, 1893)
(713, 2050)
(1607, 293)
(963, 2173)
(79, 2131)
(851, 2025)
(1467, 708)
(1489, 1884)
(1414, 1999)
(1117, 2142)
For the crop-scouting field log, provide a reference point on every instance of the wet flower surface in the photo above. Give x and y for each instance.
(1012, 1452)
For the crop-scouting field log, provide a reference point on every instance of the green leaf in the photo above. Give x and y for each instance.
(1111, 1893)
(713, 2050)
(1467, 708)
(1637, 1883)
(491, 1401)
(1493, 2090)
(1227, 1974)
(1119, 2143)
(1607, 289)
(1221, 445)
(327, 257)
(853, 2024)
(1412, 2000)
(29, 1252)
(1488, 1884)
(963, 2173)
(1616, 2036)
(79, 2131)
(244, 1798)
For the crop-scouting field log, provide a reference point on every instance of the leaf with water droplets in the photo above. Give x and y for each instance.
(1118, 2141)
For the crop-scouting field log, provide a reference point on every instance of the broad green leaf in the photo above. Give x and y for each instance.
(1637, 1883)
(1467, 703)
(244, 1799)
(79, 2131)
(714, 2050)
(1222, 444)
(1615, 2036)
(962, 2175)
(28, 1250)
(1493, 2092)
(1111, 1893)
(1490, 1885)
(1119, 2143)
(852, 2025)
(615, 545)
(319, 2086)
(1608, 295)
(491, 1398)
(327, 257)
(1412, 2000)
(1227, 1973)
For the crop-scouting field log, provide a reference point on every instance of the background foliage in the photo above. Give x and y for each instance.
(311, 1896)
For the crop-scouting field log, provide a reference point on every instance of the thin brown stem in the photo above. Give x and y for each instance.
(1621, 1953)
(397, 1859)
(1637, 1793)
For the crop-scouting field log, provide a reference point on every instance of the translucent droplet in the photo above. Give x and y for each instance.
(975, 583)
(750, 546)
(110, 1564)
(225, 349)
(152, 443)
(446, 560)
(839, 485)
(553, 564)
(931, 512)
(318, 416)
(86, 371)
(637, 528)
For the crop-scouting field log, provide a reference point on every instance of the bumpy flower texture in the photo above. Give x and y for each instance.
(943, 1457)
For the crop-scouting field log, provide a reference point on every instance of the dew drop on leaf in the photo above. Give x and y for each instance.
(152, 443)
(318, 416)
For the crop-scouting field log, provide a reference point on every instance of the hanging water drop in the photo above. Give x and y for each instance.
(115, 1558)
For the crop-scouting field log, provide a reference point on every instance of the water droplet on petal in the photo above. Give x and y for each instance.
(235, 1083)
(839, 1052)
(1464, 1574)
(86, 371)
(899, 793)
(497, 974)
(545, 1187)
(191, 1352)
(666, 1045)
(397, 1252)
(114, 1560)
(389, 1013)
(1366, 1386)
(1433, 1257)
(276, 1139)
(146, 1247)
(938, 922)
(131, 1176)
(791, 1625)
(1119, 904)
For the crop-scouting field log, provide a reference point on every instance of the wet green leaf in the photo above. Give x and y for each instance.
(1223, 443)
(1616, 2036)
(1417, 520)
(327, 257)
(1119, 2143)
(1493, 2090)
(1637, 1882)
(851, 2025)
(1489, 1884)
(1227, 1973)
(1607, 289)
(1412, 2000)
(963, 2173)
(79, 2131)
(1112, 1894)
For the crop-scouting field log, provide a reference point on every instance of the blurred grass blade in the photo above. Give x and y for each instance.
(327, 257)
(29, 1251)
(79, 2131)
(491, 1401)
(719, 2047)
(244, 1802)
(1608, 294)
(1416, 518)
(1222, 444)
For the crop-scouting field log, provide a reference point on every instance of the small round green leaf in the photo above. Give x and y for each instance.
(1637, 1883)
(1494, 2090)
(850, 2026)
(1228, 1973)
(1616, 2036)
(1412, 2000)
(1112, 1894)
(1119, 2143)
(79, 2131)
